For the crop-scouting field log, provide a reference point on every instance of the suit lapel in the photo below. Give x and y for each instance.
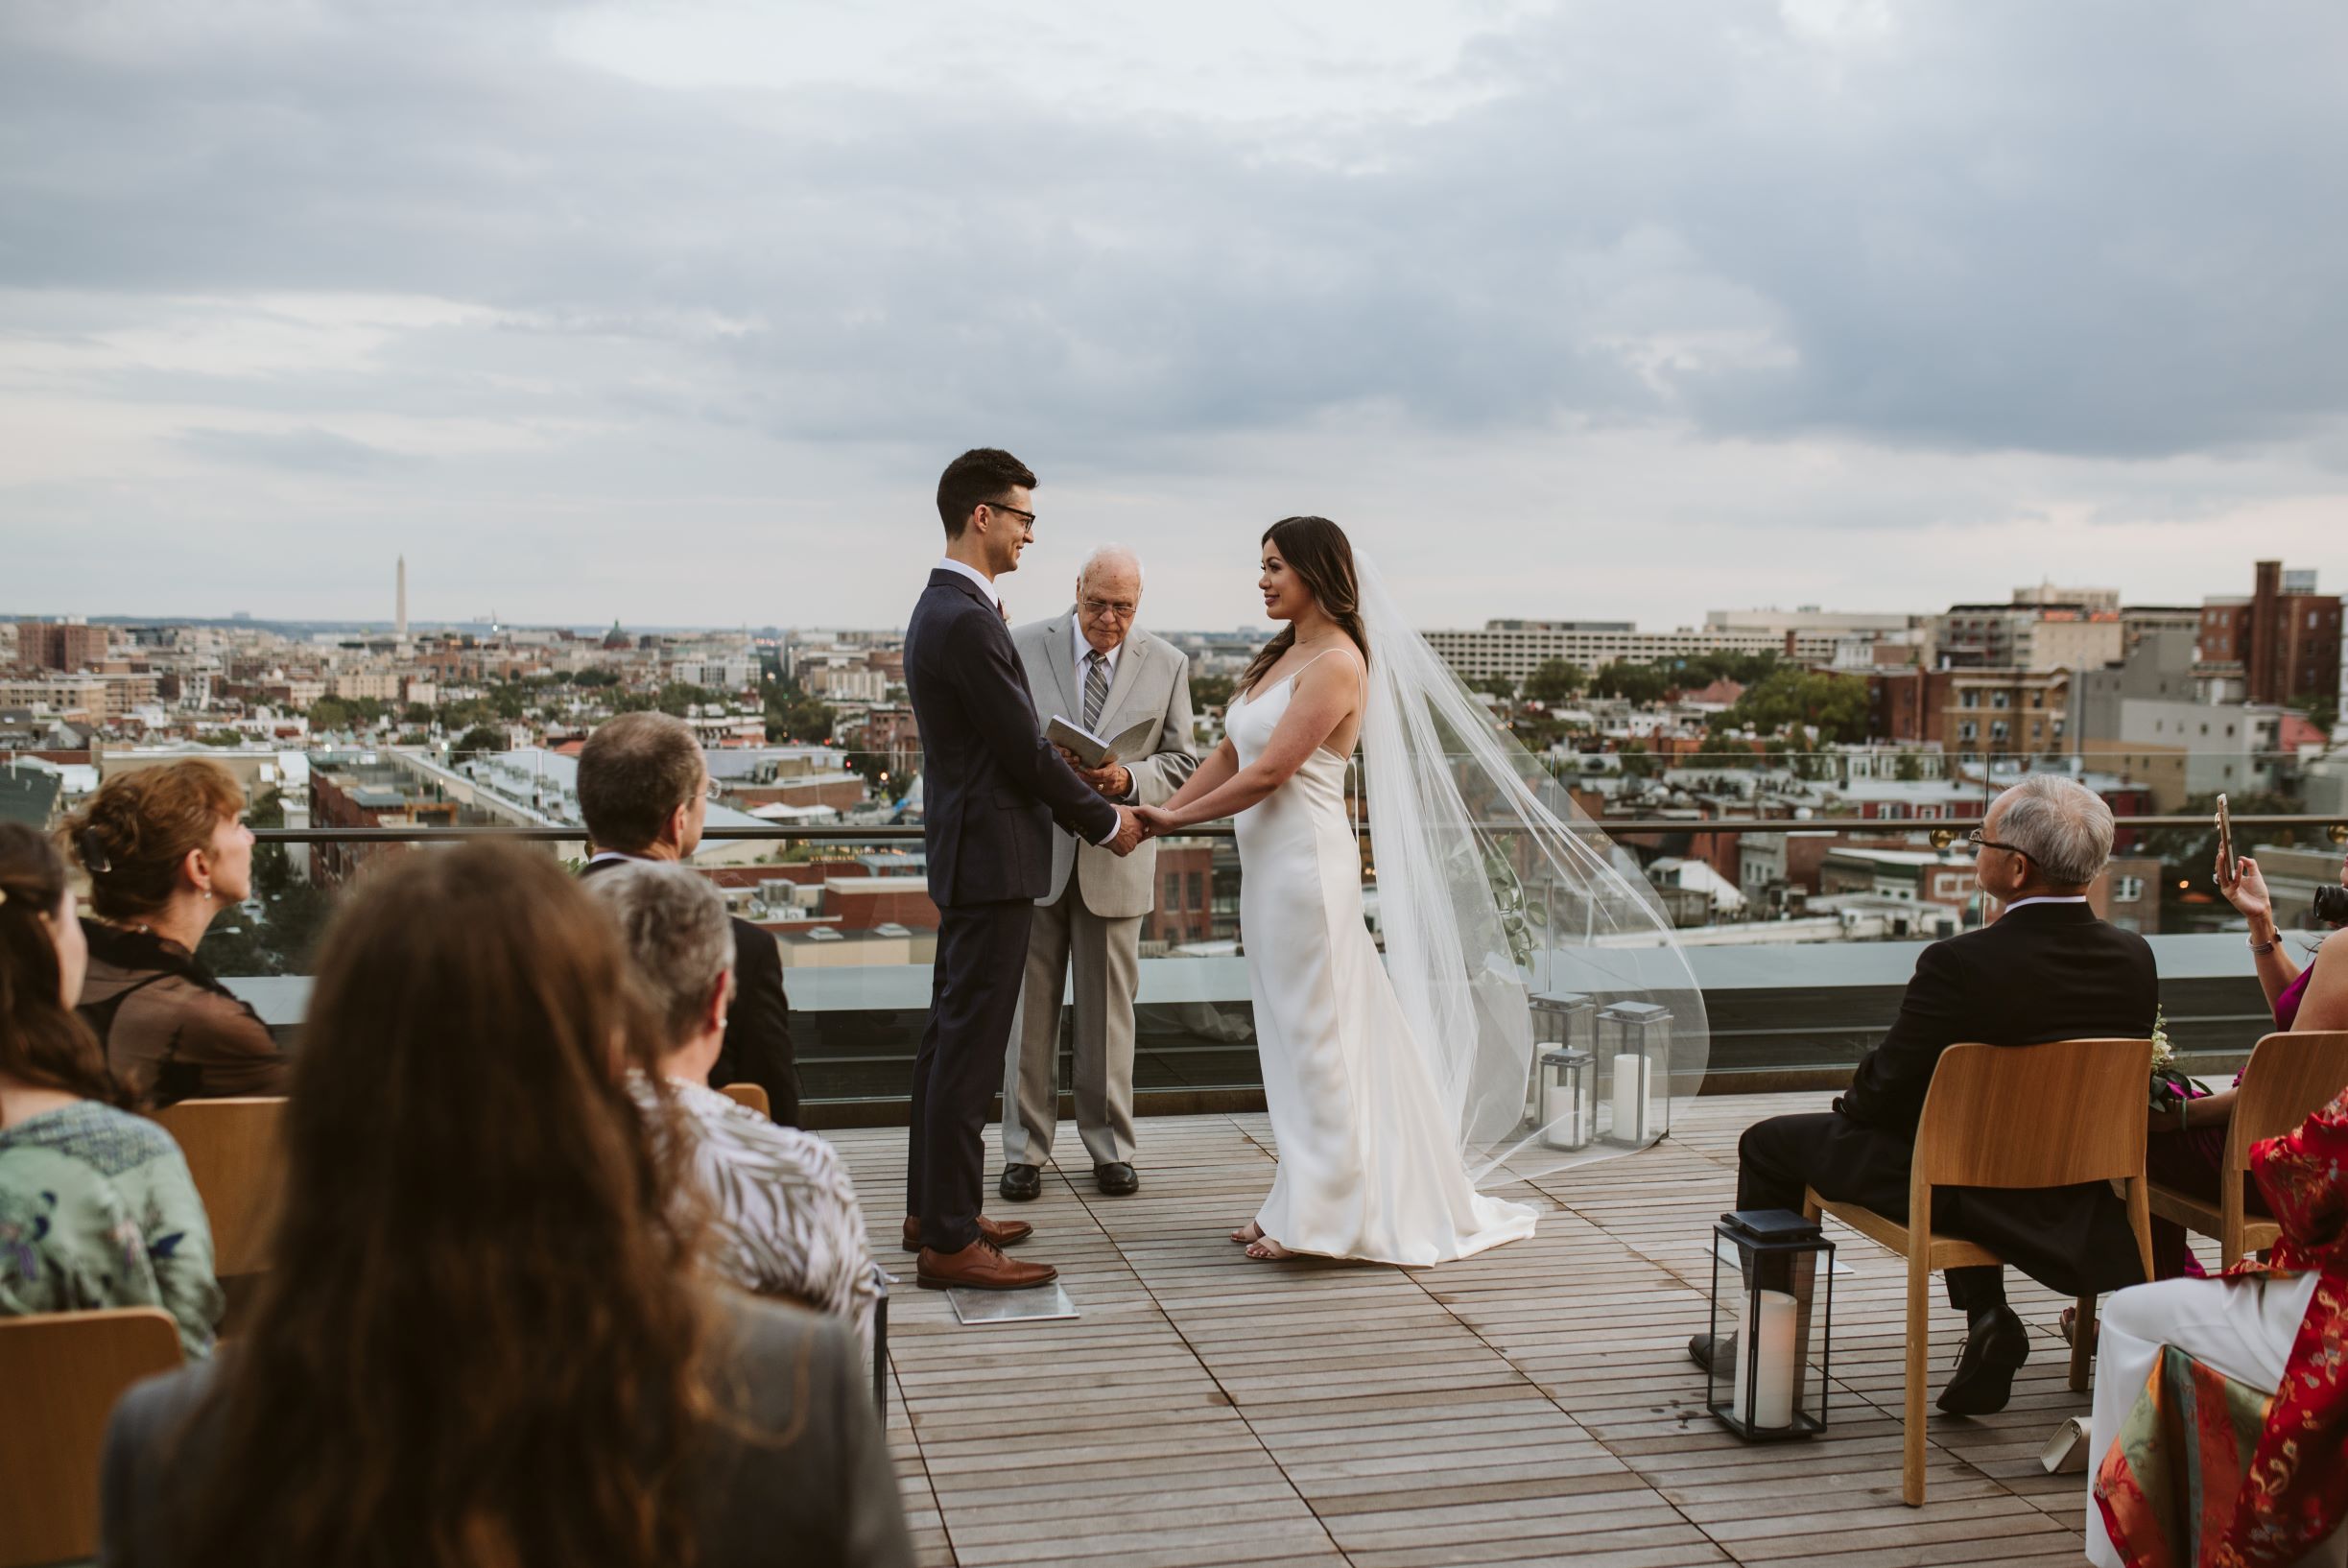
(1128, 671)
(1059, 656)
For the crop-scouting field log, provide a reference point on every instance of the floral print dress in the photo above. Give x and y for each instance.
(97, 1209)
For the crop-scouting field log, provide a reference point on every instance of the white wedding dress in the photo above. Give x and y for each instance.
(1370, 1163)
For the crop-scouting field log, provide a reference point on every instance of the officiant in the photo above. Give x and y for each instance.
(1092, 667)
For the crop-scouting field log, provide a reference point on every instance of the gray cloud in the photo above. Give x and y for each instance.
(2103, 231)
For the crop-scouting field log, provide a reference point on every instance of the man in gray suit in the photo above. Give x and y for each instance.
(1092, 666)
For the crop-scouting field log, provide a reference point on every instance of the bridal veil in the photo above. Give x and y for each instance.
(1493, 888)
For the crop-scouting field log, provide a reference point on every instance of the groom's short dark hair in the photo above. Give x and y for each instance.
(979, 475)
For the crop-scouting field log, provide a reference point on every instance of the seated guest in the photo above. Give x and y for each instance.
(96, 1205)
(2188, 1146)
(644, 791)
(2282, 1332)
(785, 1211)
(2045, 969)
(166, 850)
(487, 1339)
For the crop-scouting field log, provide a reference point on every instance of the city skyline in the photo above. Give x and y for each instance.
(676, 311)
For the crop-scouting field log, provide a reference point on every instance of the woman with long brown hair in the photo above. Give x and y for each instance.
(1370, 1163)
(484, 1338)
(97, 1208)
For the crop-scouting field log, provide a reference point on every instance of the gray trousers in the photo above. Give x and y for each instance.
(1105, 955)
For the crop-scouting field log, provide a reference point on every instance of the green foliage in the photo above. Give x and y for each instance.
(1210, 691)
(1907, 767)
(593, 680)
(480, 741)
(346, 712)
(1638, 761)
(1634, 683)
(219, 737)
(1787, 697)
(1554, 680)
(794, 714)
(1500, 686)
(415, 713)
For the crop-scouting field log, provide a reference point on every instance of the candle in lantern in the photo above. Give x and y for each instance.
(1630, 1086)
(1562, 1113)
(1764, 1354)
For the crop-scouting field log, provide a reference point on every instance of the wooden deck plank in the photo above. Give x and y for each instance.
(1532, 1404)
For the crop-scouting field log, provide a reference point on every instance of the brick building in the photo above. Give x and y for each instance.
(60, 645)
(2283, 642)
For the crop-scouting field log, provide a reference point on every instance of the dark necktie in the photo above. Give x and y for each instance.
(1096, 687)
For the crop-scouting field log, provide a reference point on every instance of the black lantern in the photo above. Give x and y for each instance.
(1634, 1045)
(1759, 1383)
(1562, 1020)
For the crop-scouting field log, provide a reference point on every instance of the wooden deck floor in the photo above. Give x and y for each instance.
(1533, 1404)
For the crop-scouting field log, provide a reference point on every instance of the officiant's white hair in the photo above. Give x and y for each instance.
(1108, 553)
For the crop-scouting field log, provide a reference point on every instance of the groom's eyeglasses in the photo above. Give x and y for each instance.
(1115, 607)
(1027, 517)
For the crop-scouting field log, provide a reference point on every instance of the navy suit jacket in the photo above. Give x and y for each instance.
(991, 786)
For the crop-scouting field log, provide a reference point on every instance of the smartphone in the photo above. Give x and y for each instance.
(2226, 863)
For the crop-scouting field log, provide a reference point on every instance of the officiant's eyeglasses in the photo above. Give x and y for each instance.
(1110, 607)
(1976, 840)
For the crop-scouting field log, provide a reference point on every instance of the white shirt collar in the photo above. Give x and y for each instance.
(985, 583)
(1077, 626)
(2046, 898)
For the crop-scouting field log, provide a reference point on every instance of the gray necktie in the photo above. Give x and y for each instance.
(1096, 687)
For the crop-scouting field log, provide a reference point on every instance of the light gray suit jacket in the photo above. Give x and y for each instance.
(1152, 682)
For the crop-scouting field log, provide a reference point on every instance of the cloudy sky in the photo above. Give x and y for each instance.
(671, 312)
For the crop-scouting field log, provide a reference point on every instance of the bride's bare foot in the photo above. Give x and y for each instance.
(1265, 1248)
(1248, 1232)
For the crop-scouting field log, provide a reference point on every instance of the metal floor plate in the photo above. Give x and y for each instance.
(1042, 1304)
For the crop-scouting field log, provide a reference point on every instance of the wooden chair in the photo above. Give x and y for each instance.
(63, 1372)
(2290, 1077)
(235, 1156)
(751, 1094)
(2008, 1116)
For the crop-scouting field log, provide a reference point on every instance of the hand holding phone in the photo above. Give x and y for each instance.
(2229, 868)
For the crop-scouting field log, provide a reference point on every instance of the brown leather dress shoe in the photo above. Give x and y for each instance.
(1001, 1233)
(978, 1267)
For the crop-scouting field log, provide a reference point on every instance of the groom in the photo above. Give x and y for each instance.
(992, 788)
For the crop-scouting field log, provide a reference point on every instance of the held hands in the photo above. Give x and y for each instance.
(1130, 833)
(1157, 821)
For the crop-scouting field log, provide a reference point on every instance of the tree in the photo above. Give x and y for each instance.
(1638, 761)
(1641, 683)
(480, 741)
(1790, 699)
(1211, 691)
(1500, 686)
(1907, 767)
(794, 714)
(1554, 680)
(2189, 855)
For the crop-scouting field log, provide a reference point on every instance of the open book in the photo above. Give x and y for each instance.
(1091, 749)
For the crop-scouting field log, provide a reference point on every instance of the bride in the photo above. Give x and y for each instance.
(1393, 1088)
(1368, 1169)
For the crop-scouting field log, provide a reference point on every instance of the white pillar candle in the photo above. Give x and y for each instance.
(1630, 1097)
(1764, 1354)
(1563, 1113)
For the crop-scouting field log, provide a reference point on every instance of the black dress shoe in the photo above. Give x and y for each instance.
(1116, 1179)
(1985, 1368)
(1705, 1349)
(1021, 1183)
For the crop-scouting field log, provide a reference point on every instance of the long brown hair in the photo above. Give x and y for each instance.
(479, 1341)
(1318, 551)
(43, 1042)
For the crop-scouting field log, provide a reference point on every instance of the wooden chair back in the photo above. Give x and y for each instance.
(63, 1372)
(237, 1156)
(751, 1094)
(2048, 1115)
(2290, 1077)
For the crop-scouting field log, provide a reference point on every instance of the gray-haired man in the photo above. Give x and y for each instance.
(2046, 969)
(1091, 665)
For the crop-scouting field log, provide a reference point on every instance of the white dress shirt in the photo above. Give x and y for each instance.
(986, 585)
(1084, 648)
(2046, 898)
